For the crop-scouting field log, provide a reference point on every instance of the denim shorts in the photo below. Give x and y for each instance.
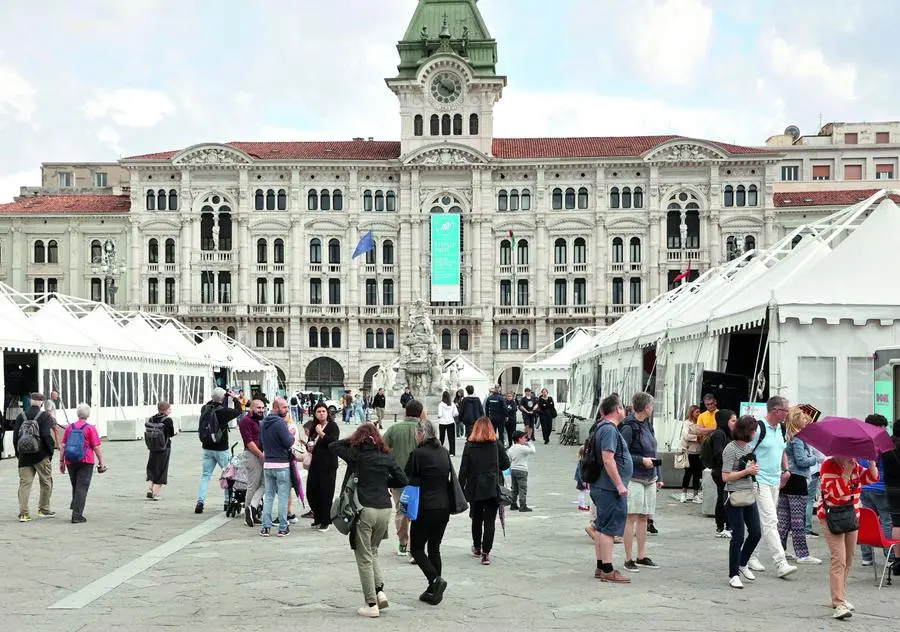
(612, 510)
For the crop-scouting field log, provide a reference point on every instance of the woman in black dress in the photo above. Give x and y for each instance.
(158, 461)
(322, 432)
(546, 412)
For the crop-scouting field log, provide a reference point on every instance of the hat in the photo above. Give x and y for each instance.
(518, 434)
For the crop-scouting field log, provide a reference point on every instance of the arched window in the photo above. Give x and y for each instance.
(634, 248)
(367, 200)
(312, 200)
(557, 199)
(278, 251)
(522, 292)
(514, 339)
(692, 220)
(334, 251)
(582, 198)
(52, 252)
(262, 251)
(473, 125)
(173, 200)
(731, 249)
(231, 332)
(673, 227)
(638, 198)
(618, 250)
(379, 201)
(390, 202)
(96, 250)
(522, 252)
(315, 250)
(379, 338)
(502, 200)
(282, 200)
(463, 339)
(614, 197)
(729, 196)
(161, 200)
(207, 221)
(570, 198)
(559, 338)
(262, 286)
(323, 338)
(618, 291)
(270, 200)
(170, 250)
(526, 200)
(457, 125)
(634, 291)
(435, 125)
(224, 228)
(372, 255)
(270, 337)
(153, 251)
(259, 200)
(151, 200)
(418, 125)
(559, 251)
(336, 337)
(504, 340)
(524, 339)
(749, 243)
(505, 253)
(446, 339)
(741, 197)
(514, 200)
(325, 200)
(370, 338)
(313, 336)
(445, 125)
(387, 253)
(337, 200)
(752, 195)
(261, 337)
(626, 197)
(579, 250)
(279, 337)
(389, 339)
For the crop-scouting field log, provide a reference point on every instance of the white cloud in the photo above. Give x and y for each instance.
(11, 183)
(670, 38)
(810, 63)
(129, 107)
(112, 138)
(16, 95)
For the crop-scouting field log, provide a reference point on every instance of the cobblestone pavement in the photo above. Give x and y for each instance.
(229, 578)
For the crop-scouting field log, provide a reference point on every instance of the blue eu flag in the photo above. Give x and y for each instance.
(365, 244)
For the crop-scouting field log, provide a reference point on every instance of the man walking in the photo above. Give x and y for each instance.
(470, 409)
(253, 461)
(213, 433)
(401, 439)
(34, 446)
(495, 409)
(378, 403)
(773, 471)
(276, 441)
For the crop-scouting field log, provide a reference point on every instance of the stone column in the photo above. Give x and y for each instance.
(714, 231)
(404, 256)
(244, 295)
(295, 264)
(134, 260)
(354, 264)
(425, 257)
(541, 262)
(416, 260)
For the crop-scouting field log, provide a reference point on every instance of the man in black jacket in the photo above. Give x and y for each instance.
(495, 408)
(470, 409)
(215, 452)
(36, 463)
(378, 403)
(510, 407)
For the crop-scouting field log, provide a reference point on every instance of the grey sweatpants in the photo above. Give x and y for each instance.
(255, 488)
(519, 485)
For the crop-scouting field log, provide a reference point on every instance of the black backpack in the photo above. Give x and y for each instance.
(591, 468)
(155, 434)
(210, 430)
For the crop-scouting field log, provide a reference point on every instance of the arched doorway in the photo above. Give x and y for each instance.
(511, 380)
(325, 375)
(367, 380)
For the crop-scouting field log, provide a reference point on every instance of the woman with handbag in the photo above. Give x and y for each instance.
(429, 469)
(689, 457)
(739, 470)
(546, 409)
(841, 482)
(483, 459)
(323, 466)
(792, 497)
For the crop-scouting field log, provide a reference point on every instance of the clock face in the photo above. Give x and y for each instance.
(446, 87)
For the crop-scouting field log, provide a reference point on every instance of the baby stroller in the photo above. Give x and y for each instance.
(234, 482)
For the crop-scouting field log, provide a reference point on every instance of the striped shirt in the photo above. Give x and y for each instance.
(840, 490)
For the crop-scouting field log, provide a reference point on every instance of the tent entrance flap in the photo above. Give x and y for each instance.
(20, 378)
(729, 389)
(745, 355)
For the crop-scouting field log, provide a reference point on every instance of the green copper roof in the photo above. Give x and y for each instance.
(447, 26)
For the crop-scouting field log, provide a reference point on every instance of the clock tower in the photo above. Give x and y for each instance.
(447, 81)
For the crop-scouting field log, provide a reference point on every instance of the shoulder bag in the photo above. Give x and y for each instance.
(743, 498)
(458, 502)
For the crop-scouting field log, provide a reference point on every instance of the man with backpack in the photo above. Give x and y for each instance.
(213, 432)
(470, 409)
(495, 409)
(34, 445)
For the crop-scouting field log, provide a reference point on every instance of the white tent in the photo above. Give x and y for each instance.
(553, 371)
(469, 373)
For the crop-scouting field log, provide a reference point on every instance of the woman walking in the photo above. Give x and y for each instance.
(739, 470)
(158, 460)
(792, 498)
(447, 415)
(376, 470)
(690, 445)
(483, 459)
(429, 468)
(841, 482)
(322, 431)
(725, 420)
(81, 470)
(546, 412)
(460, 428)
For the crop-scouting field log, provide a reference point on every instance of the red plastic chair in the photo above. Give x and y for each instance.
(870, 533)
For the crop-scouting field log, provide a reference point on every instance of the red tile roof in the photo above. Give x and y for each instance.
(826, 198)
(596, 147)
(64, 204)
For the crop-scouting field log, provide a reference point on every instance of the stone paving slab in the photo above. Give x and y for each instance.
(541, 578)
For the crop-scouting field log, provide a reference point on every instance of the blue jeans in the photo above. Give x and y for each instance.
(877, 501)
(277, 479)
(813, 486)
(740, 550)
(347, 412)
(211, 458)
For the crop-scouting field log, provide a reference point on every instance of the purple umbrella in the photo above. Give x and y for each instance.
(840, 436)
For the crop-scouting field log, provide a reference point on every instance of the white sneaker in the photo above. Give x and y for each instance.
(747, 573)
(735, 582)
(683, 498)
(842, 612)
(368, 611)
(754, 565)
(866, 563)
(849, 606)
(725, 533)
(789, 556)
(784, 569)
(809, 559)
(698, 499)
(382, 600)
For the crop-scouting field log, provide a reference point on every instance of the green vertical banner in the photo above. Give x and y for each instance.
(445, 257)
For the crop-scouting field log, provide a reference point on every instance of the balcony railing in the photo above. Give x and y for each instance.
(455, 312)
(315, 268)
(616, 267)
(506, 269)
(214, 256)
(269, 310)
(213, 308)
(580, 267)
(560, 268)
(636, 267)
(389, 311)
(683, 255)
(522, 269)
(580, 311)
(518, 311)
(160, 309)
(262, 268)
(387, 268)
(334, 268)
(371, 268)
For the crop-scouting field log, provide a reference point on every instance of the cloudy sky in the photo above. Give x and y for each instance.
(100, 79)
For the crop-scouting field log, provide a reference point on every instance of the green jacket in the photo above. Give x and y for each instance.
(401, 438)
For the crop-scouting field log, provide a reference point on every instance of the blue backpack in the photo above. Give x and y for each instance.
(75, 444)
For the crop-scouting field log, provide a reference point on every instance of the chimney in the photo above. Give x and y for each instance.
(358, 139)
(371, 138)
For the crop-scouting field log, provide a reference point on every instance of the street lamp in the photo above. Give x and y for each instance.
(110, 266)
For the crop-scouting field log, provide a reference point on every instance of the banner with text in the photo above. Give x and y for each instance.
(445, 257)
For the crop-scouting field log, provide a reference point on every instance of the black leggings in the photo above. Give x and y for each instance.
(693, 470)
(510, 431)
(546, 426)
(721, 515)
(448, 431)
(428, 529)
(484, 515)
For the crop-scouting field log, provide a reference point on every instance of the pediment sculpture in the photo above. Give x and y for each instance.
(212, 156)
(446, 156)
(684, 152)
